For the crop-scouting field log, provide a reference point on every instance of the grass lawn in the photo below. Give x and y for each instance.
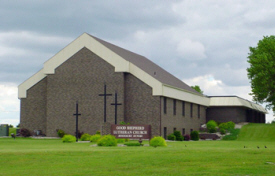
(52, 157)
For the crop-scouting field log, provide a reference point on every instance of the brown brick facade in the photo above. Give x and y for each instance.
(50, 104)
(176, 120)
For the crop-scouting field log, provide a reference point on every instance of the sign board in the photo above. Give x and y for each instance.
(131, 131)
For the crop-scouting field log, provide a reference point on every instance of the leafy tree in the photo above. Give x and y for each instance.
(262, 71)
(197, 88)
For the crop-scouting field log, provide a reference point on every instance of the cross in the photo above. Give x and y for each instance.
(76, 124)
(105, 99)
(116, 104)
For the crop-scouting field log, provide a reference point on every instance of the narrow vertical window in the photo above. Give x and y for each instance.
(164, 105)
(165, 133)
(183, 108)
(183, 131)
(191, 131)
(175, 107)
(191, 109)
(175, 129)
(199, 111)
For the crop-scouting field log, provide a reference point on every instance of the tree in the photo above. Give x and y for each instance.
(262, 71)
(197, 88)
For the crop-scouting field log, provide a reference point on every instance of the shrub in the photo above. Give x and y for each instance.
(171, 137)
(187, 137)
(157, 141)
(211, 126)
(124, 123)
(97, 132)
(194, 135)
(120, 140)
(133, 144)
(227, 125)
(95, 138)
(85, 137)
(233, 135)
(68, 138)
(179, 137)
(25, 132)
(222, 131)
(230, 125)
(107, 140)
(60, 133)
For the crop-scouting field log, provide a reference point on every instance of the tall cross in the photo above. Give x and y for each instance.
(105, 99)
(76, 119)
(116, 104)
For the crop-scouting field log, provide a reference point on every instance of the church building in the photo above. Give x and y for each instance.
(113, 85)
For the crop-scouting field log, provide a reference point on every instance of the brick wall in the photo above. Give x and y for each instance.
(33, 108)
(140, 106)
(82, 78)
(180, 121)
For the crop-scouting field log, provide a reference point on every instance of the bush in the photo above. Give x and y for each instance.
(85, 137)
(107, 140)
(68, 138)
(227, 125)
(171, 137)
(60, 133)
(98, 132)
(120, 140)
(95, 138)
(157, 141)
(25, 132)
(79, 134)
(222, 131)
(233, 135)
(178, 135)
(133, 144)
(194, 135)
(211, 126)
(187, 137)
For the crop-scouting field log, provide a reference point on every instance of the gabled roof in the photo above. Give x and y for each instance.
(148, 66)
(234, 101)
(162, 82)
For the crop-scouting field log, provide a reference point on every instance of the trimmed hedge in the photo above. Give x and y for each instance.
(211, 126)
(107, 140)
(95, 138)
(60, 133)
(171, 137)
(194, 135)
(157, 141)
(85, 137)
(68, 138)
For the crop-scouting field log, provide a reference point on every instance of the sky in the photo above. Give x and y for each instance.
(203, 43)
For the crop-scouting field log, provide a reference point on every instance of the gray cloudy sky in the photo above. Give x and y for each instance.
(203, 43)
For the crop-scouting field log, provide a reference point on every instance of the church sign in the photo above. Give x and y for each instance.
(131, 131)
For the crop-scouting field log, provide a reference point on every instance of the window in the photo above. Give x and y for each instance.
(175, 129)
(165, 133)
(183, 131)
(191, 110)
(175, 107)
(199, 111)
(164, 105)
(191, 131)
(183, 108)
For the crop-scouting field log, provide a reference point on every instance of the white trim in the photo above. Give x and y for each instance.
(235, 101)
(22, 88)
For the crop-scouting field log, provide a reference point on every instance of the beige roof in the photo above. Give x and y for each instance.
(235, 101)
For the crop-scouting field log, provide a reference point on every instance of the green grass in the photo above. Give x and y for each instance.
(52, 157)
(257, 132)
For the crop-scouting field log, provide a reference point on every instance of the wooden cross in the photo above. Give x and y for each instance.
(105, 99)
(116, 104)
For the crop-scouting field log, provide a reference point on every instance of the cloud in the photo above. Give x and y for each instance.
(9, 104)
(191, 50)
